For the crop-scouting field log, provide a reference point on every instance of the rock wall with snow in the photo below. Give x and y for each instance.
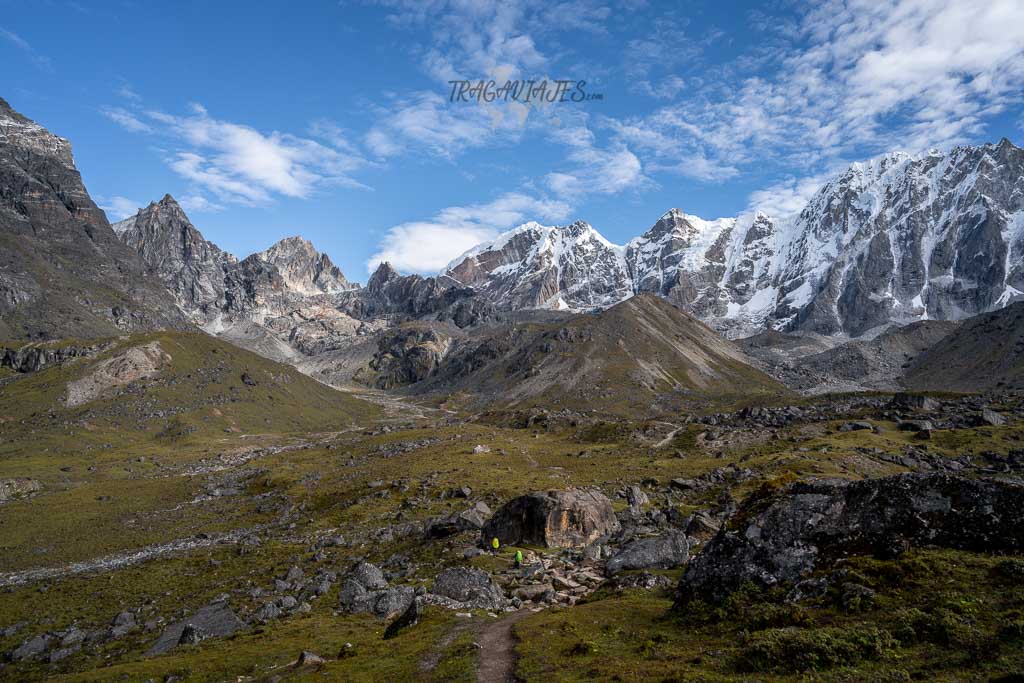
(890, 241)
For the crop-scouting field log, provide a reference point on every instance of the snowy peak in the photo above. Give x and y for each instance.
(890, 240)
(537, 266)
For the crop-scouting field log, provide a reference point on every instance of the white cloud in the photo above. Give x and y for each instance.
(196, 203)
(786, 197)
(602, 170)
(237, 163)
(428, 246)
(848, 79)
(126, 119)
(40, 61)
(666, 88)
(430, 122)
(128, 93)
(118, 208)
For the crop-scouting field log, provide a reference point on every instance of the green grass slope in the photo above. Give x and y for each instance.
(112, 470)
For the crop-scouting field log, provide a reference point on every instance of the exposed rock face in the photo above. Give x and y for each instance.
(469, 586)
(671, 549)
(408, 356)
(472, 519)
(892, 240)
(138, 362)
(682, 258)
(408, 297)
(213, 620)
(11, 489)
(289, 298)
(304, 269)
(34, 357)
(192, 268)
(63, 272)
(558, 519)
(814, 523)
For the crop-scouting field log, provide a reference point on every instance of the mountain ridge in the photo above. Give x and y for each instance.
(889, 241)
(63, 270)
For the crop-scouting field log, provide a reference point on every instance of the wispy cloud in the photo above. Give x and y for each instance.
(596, 169)
(428, 122)
(236, 163)
(843, 80)
(194, 203)
(428, 246)
(40, 61)
(126, 119)
(128, 93)
(118, 208)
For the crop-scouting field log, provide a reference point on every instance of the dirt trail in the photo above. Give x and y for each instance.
(668, 439)
(497, 656)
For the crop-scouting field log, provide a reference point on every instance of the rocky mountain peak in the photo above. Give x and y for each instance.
(384, 274)
(303, 268)
(20, 132)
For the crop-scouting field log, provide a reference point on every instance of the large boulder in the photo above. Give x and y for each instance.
(366, 590)
(903, 401)
(668, 550)
(472, 519)
(215, 619)
(469, 586)
(559, 519)
(780, 540)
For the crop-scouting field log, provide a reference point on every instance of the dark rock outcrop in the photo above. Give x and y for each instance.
(671, 549)
(781, 540)
(407, 356)
(34, 357)
(213, 620)
(472, 519)
(469, 586)
(569, 518)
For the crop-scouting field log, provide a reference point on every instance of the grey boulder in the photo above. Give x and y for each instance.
(670, 549)
(471, 587)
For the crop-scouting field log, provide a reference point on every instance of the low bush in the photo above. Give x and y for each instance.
(792, 650)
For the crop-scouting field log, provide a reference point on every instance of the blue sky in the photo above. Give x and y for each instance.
(333, 120)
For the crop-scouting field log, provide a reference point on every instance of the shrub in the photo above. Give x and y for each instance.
(793, 650)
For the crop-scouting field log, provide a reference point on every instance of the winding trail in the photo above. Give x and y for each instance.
(497, 654)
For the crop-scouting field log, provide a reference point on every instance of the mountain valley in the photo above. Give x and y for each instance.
(753, 448)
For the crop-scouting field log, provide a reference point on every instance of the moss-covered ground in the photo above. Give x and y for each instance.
(199, 451)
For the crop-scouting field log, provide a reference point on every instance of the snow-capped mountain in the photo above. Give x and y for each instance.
(536, 266)
(893, 240)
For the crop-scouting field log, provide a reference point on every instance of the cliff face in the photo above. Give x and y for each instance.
(63, 272)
